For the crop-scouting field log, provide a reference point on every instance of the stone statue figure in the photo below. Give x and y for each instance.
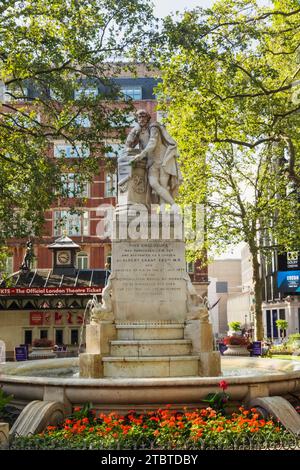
(103, 310)
(160, 151)
(197, 306)
(28, 257)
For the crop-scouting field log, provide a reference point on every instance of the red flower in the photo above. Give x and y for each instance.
(223, 384)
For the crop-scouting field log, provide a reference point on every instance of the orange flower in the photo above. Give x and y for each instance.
(156, 432)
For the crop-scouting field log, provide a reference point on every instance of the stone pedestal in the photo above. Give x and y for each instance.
(209, 364)
(91, 366)
(98, 337)
(201, 335)
(151, 296)
(149, 282)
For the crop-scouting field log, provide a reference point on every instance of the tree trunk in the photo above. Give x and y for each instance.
(257, 288)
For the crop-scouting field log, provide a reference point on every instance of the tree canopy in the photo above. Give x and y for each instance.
(53, 55)
(231, 91)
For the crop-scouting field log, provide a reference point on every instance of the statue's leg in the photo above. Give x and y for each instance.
(154, 178)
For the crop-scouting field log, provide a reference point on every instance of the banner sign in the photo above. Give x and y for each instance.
(288, 282)
(21, 353)
(36, 318)
(56, 318)
(10, 291)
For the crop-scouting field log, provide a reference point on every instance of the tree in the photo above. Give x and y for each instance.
(50, 50)
(282, 325)
(230, 89)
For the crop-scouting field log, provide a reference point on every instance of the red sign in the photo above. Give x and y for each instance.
(69, 318)
(36, 318)
(58, 318)
(49, 290)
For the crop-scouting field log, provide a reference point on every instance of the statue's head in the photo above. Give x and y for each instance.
(143, 117)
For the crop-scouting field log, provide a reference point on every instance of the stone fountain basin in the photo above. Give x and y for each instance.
(253, 377)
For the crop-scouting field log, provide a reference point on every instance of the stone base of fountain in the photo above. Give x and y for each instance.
(153, 349)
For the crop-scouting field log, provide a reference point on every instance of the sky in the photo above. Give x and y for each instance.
(165, 7)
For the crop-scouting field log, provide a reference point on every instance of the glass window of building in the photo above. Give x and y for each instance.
(132, 92)
(221, 287)
(70, 151)
(110, 184)
(73, 187)
(27, 336)
(82, 260)
(59, 337)
(190, 266)
(44, 334)
(74, 337)
(74, 224)
(88, 92)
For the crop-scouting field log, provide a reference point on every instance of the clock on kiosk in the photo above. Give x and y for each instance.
(63, 257)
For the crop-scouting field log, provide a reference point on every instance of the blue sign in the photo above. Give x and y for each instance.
(21, 353)
(256, 348)
(222, 348)
(288, 282)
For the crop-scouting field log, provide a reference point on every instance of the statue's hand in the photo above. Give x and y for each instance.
(137, 158)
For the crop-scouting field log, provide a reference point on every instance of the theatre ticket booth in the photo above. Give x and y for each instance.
(47, 303)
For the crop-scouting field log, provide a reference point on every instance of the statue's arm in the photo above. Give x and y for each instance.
(133, 138)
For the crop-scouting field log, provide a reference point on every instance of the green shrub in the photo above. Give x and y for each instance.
(235, 325)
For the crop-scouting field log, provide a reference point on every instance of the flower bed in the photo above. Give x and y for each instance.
(162, 429)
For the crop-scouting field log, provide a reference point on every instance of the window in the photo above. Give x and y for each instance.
(74, 224)
(9, 264)
(282, 314)
(28, 337)
(74, 337)
(70, 151)
(88, 92)
(135, 93)
(221, 287)
(59, 337)
(83, 120)
(73, 187)
(82, 260)
(110, 184)
(43, 334)
(114, 151)
(190, 266)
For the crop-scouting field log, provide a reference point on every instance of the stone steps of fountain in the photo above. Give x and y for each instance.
(151, 347)
(155, 331)
(160, 366)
